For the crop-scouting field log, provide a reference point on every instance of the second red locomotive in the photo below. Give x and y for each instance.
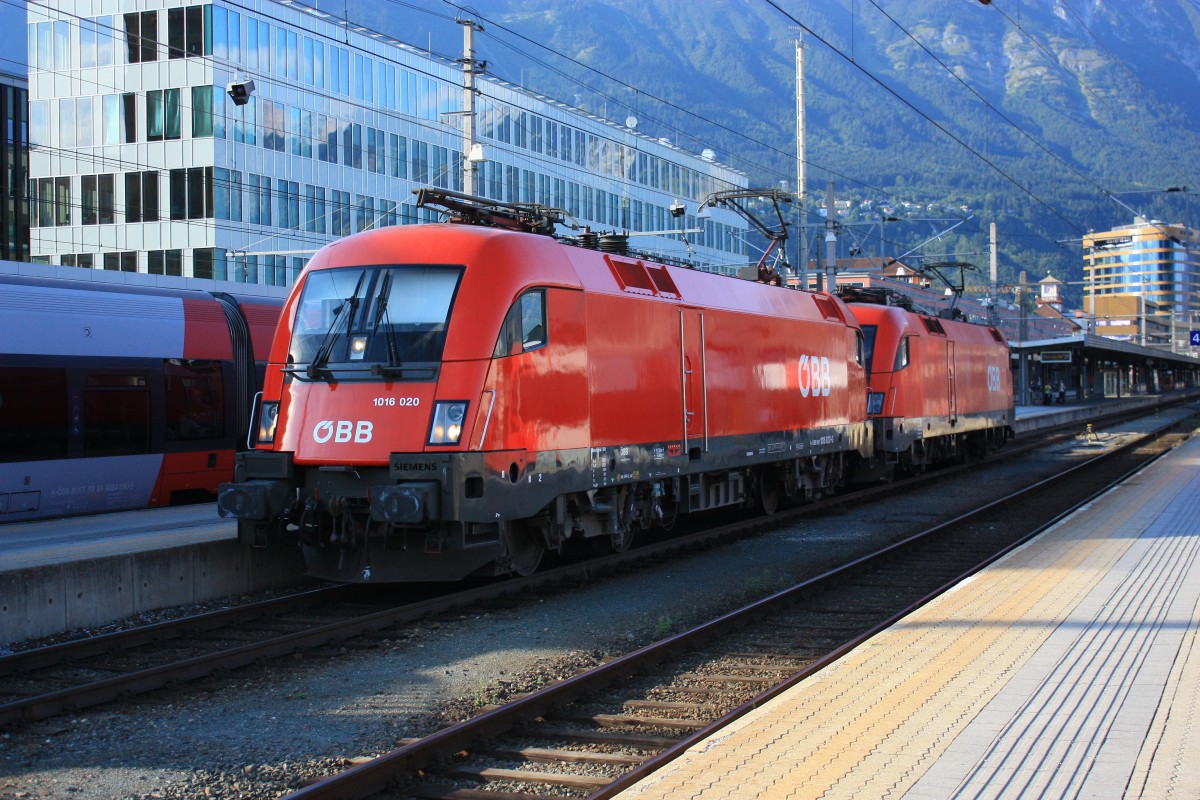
(453, 400)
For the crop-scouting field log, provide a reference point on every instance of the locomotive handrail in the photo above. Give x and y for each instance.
(255, 411)
(488, 419)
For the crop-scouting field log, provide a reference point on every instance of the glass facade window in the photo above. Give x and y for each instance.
(44, 58)
(110, 119)
(90, 200)
(175, 33)
(129, 117)
(141, 37)
(177, 181)
(202, 111)
(203, 262)
(39, 123)
(197, 194)
(235, 195)
(62, 45)
(154, 115)
(84, 123)
(66, 122)
(107, 199)
(106, 40)
(171, 113)
(133, 197)
(62, 201)
(87, 43)
(199, 31)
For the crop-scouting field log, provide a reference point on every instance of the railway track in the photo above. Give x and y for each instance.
(37, 684)
(597, 733)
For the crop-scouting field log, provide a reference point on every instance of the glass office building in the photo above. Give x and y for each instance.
(1150, 260)
(140, 160)
(14, 169)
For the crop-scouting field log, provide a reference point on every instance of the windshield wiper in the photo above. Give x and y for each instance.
(381, 315)
(316, 366)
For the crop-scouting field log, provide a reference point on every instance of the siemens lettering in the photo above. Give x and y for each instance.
(343, 430)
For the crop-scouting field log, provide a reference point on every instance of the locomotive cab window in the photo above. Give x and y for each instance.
(373, 319)
(901, 355)
(524, 326)
(868, 344)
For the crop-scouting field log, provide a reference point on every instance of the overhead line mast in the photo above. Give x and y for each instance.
(801, 164)
(472, 150)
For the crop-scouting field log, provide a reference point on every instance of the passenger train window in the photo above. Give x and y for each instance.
(195, 400)
(116, 414)
(524, 327)
(33, 414)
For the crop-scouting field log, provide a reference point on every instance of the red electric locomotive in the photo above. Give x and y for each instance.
(455, 399)
(939, 389)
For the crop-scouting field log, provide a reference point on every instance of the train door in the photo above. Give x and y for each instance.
(694, 381)
(951, 388)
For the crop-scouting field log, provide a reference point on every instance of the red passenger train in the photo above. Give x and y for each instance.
(117, 397)
(456, 399)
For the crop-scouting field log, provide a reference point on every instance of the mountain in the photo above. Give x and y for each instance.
(1025, 112)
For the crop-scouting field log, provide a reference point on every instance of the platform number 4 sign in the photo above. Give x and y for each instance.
(1195, 338)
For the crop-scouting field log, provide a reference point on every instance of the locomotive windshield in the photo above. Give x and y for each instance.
(869, 332)
(372, 319)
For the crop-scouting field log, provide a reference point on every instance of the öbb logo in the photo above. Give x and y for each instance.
(343, 430)
(814, 376)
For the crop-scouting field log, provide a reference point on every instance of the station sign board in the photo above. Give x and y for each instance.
(1195, 338)
(1056, 357)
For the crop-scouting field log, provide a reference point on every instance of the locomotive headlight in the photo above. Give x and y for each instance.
(268, 417)
(447, 422)
(358, 348)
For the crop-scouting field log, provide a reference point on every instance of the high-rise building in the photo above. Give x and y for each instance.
(232, 139)
(14, 169)
(1151, 262)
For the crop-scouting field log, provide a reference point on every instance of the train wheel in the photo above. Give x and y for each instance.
(525, 549)
(769, 495)
(615, 543)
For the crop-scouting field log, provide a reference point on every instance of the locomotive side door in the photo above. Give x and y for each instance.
(693, 379)
(951, 388)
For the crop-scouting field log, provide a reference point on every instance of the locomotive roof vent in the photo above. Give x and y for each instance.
(614, 243)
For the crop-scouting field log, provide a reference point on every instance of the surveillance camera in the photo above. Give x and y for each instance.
(678, 209)
(240, 91)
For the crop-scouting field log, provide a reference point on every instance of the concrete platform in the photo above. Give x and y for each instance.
(1070, 668)
(59, 575)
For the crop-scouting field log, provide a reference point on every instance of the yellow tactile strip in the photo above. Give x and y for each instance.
(871, 725)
